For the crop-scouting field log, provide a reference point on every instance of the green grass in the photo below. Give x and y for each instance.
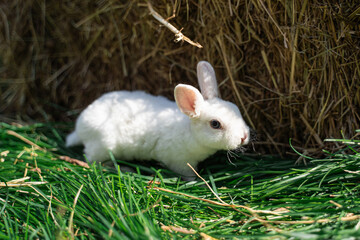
(261, 197)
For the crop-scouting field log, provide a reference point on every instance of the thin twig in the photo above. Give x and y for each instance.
(74, 161)
(40, 193)
(23, 184)
(23, 179)
(177, 229)
(179, 36)
(71, 227)
(336, 204)
(49, 210)
(277, 25)
(207, 237)
(12, 133)
(206, 184)
(217, 203)
(111, 229)
(323, 220)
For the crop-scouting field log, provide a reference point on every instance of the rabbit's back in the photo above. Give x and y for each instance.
(127, 123)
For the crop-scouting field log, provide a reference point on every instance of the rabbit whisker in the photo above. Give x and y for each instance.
(231, 154)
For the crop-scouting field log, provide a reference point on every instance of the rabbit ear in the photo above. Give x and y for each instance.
(207, 80)
(188, 100)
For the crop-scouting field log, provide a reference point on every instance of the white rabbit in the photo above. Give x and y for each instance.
(136, 125)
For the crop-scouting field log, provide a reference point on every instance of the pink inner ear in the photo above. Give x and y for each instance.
(186, 99)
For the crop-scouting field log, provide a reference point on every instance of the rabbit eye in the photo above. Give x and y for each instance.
(215, 124)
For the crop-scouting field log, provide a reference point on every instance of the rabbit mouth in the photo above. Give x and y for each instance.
(239, 144)
(240, 148)
(249, 137)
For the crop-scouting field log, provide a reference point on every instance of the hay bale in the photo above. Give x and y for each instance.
(292, 67)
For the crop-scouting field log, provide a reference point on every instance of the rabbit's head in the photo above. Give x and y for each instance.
(215, 123)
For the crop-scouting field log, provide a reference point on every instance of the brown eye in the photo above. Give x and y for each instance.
(215, 124)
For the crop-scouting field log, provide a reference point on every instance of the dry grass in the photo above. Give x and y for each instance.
(292, 66)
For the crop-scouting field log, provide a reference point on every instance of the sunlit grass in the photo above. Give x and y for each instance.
(261, 197)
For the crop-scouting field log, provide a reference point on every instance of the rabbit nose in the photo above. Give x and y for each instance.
(244, 138)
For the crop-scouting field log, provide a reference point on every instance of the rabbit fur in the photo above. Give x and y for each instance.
(137, 125)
